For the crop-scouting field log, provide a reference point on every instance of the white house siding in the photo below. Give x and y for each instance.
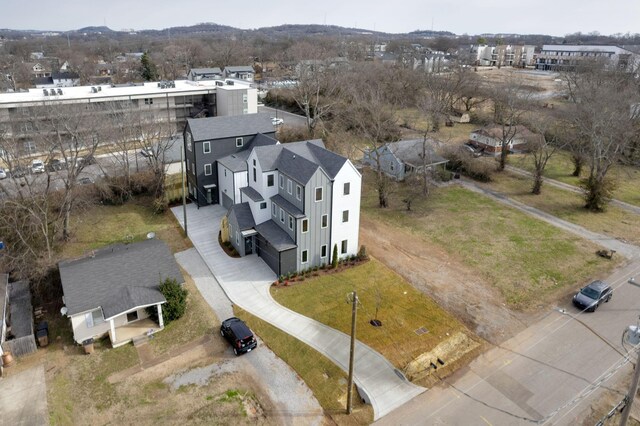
(348, 230)
(81, 332)
(225, 183)
(236, 100)
(316, 237)
(260, 185)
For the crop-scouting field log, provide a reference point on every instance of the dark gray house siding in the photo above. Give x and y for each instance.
(201, 184)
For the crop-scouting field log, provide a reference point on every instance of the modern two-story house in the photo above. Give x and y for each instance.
(288, 203)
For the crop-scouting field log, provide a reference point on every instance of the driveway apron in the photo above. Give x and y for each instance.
(246, 282)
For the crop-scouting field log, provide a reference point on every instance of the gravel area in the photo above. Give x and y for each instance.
(293, 400)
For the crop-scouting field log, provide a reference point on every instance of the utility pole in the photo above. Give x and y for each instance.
(354, 311)
(184, 195)
(634, 338)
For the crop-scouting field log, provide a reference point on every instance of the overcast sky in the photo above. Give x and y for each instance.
(554, 17)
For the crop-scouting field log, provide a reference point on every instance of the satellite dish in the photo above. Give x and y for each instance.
(151, 235)
(64, 310)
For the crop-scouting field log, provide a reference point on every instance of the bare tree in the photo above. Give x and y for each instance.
(601, 114)
(511, 101)
(542, 146)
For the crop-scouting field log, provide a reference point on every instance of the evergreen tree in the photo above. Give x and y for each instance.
(148, 69)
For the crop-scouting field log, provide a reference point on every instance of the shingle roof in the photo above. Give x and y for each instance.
(235, 162)
(295, 166)
(243, 215)
(118, 278)
(20, 308)
(287, 206)
(239, 68)
(251, 193)
(411, 151)
(279, 239)
(229, 126)
(65, 75)
(268, 156)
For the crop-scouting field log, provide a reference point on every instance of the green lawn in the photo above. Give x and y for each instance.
(527, 260)
(560, 168)
(402, 310)
(569, 206)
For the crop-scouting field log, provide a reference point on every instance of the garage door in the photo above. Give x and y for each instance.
(268, 253)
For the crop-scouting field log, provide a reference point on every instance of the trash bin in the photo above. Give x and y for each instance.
(88, 346)
(42, 333)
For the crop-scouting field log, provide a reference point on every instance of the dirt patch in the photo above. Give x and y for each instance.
(450, 350)
(447, 280)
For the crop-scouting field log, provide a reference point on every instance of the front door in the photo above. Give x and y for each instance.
(248, 245)
(208, 195)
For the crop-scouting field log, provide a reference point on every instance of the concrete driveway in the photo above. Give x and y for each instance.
(23, 398)
(246, 282)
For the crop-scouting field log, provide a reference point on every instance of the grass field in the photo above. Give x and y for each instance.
(527, 260)
(402, 310)
(414, 120)
(560, 168)
(567, 205)
(99, 226)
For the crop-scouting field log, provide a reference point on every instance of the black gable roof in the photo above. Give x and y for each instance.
(229, 126)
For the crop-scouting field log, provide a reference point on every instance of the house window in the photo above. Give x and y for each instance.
(193, 168)
(345, 216)
(148, 101)
(207, 169)
(269, 180)
(323, 251)
(225, 172)
(291, 223)
(94, 318)
(325, 220)
(189, 141)
(132, 316)
(343, 248)
(305, 256)
(281, 215)
(319, 194)
(263, 205)
(237, 238)
(347, 188)
(254, 161)
(289, 186)
(273, 210)
(391, 167)
(281, 181)
(305, 225)
(255, 174)
(298, 192)
(206, 147)
(239, 142)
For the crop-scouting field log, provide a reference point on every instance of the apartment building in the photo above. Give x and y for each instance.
(503, 55)
(558, 57)
(167, 101)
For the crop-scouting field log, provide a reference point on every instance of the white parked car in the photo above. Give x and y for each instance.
(276, 121)
(37, 166)
(3, 174)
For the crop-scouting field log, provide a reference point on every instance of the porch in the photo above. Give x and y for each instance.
(126, 333)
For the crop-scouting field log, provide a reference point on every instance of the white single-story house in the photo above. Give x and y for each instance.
(109, 291)
(489, 140)
(404, 158)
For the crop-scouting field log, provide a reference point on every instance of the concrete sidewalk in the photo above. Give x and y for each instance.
(246, 282)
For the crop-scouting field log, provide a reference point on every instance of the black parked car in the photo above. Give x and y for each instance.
(238, 335)
(590, 297)
(55, 164)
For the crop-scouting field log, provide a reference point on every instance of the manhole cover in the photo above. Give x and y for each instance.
(421, 330)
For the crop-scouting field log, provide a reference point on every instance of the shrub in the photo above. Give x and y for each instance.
(334, 259)
(160, 205)
(176, 304)
(362, 253)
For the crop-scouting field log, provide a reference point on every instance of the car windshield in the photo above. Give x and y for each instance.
(590, 292)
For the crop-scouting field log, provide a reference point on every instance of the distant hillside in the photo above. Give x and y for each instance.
(96, 30)
(203, 28)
